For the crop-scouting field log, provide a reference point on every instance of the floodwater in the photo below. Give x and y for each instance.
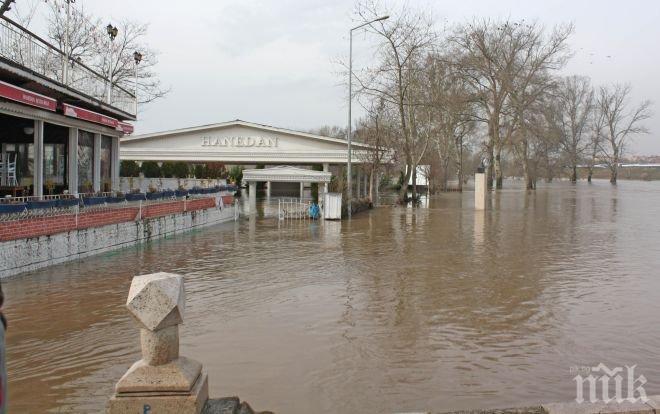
(401, 309)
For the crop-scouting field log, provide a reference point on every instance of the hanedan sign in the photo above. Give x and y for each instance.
(240, 142)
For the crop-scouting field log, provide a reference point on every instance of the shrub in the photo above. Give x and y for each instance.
(150, 169)
(129, 168)
(236, 174)
(167, 169)
(180, 169)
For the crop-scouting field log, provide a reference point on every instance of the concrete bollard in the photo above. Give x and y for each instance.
(162, 381)
(480, 190)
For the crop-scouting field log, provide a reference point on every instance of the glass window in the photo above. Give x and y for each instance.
(85, 162)
(24, 162)
(106, 163)
(56, 142)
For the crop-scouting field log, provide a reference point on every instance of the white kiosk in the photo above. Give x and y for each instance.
(285, 174)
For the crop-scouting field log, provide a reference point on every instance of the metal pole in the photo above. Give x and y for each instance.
(350, 97)
(348, 134)
(110, 74)
(136, 88)
(65, 73)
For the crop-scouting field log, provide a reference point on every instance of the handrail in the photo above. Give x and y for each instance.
(25, 48)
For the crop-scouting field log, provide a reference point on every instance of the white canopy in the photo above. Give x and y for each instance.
(287, 174)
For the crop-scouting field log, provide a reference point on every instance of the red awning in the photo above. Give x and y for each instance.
(124, 127)
(86, 115)
(21, 95)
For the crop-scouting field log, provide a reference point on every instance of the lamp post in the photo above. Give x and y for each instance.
(137, 56)
(112, 32)
(350, 98)
(67, 41)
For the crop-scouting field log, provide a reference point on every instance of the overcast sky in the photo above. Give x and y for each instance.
(273, 61)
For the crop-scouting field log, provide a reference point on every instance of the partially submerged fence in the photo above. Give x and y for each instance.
(294, 208)
(29, 217)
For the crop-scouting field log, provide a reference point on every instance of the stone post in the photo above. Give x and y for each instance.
(480, 190)
(302, 190)
(252, 197)
(162, 381)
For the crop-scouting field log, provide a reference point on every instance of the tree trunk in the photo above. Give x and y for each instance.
(614, 173)
(403, 192)
(574, 174)
(445, 178)
(489, 170)
(459, 168)
(527, 174)
(614, 166)
(498, 169)
(414, 183)
(371, 185)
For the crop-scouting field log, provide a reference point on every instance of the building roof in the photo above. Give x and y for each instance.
(237, 122)
(286, 173)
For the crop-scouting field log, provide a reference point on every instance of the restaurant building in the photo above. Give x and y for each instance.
(60, 121)
(246, 143)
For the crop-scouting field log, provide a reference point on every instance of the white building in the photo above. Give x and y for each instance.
(239, 142)
(246, 143)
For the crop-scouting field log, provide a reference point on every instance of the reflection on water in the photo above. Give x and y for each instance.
(401, 309)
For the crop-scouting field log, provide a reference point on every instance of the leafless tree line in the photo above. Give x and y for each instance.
(490, 89)
(84, 40)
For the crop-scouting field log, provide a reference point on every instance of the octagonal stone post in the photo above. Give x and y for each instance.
(162, 381)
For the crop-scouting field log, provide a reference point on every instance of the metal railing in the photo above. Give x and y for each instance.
(293, 208)
(28, 207)
(19, 45)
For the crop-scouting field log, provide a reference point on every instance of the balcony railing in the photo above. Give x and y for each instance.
(24, 48)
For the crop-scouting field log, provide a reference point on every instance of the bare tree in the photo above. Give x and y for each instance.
(572, 110)
(89, 44)
(375, 130)
(619, 123)
(332, 131)
(396, 79)
(495, 58)
(454, 118)
(595, 139)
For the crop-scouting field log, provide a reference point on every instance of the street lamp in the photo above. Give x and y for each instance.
(112, 32)
(137, 56)
(67, 41)
(350, 97)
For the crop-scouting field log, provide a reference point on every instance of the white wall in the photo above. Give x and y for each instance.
(18, 256)
(128, 184)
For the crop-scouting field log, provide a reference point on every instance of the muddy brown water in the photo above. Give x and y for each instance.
(401, 309)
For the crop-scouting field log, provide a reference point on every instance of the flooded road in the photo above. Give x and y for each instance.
(433, 308)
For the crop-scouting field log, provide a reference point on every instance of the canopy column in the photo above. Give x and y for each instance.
(252, 197)
(73, 160)
(326, 168)
(97, 163)
(116, 163)
(38, 181)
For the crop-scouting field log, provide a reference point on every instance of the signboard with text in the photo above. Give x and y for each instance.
(24, 96)
(124, 127)
(86, 115)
